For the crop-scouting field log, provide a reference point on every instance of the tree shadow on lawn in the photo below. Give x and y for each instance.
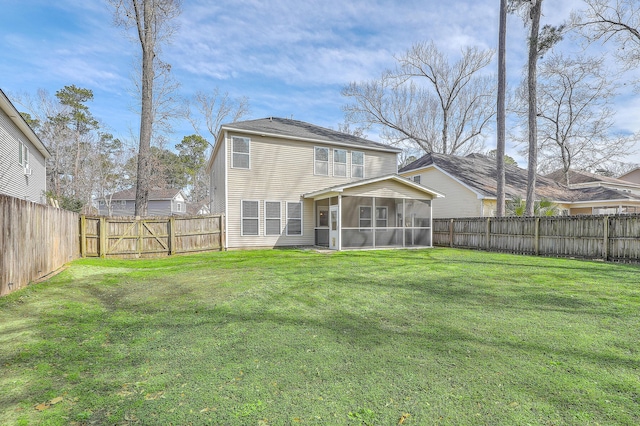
(430, 338)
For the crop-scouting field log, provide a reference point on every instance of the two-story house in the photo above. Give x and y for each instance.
(284, 182)
(23, 172)
(161, 202)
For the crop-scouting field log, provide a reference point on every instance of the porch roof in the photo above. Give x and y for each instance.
(389, 181)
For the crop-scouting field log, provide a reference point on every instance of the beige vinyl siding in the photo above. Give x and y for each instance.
(633, 176)
(283, 170)
(13, 181)
(459, 201)
(218, 182)
(387, 189)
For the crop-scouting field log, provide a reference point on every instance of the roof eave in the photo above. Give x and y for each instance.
(16, 117)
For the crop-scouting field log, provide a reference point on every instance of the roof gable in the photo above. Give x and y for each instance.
(16, 117)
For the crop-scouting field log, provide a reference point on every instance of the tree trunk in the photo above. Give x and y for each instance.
(536, 10)
(146, 34)
(501, 115)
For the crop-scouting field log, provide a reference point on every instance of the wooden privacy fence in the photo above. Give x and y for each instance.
(612, 238)
(35, 241)
(150, 237)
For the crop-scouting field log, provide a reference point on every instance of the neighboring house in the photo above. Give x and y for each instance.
(284, 182)
(633, 176)
(471, 188)
(580, 179)
(161, 202)
(23, 172)
(198, 209)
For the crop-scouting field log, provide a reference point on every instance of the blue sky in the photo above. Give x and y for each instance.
(289, 57)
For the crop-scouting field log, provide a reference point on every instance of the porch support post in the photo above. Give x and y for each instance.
(431, 223)
(339, 222)
(373, 219)
(404, 224)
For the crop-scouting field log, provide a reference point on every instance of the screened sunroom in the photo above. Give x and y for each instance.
(385, 212)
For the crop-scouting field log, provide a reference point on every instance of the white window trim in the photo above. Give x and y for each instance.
(301, 219)
(242, 218)
(272, 218)
(178, 207)
(358, 165)
(346, 163)
(365, 228)
(386, 219)
(23, 155)
(315, 171)
(248, 154)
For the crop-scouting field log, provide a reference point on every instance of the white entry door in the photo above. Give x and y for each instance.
(334, 220)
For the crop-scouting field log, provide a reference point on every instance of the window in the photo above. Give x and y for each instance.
(365, 216)
(339, 162)
(23, 155)
(381, 217)
(178, 207)
(321, 161)
(272, 218)
(249, 218)
(416, 178)
(357, 164)
(240, 156)
(294, 218)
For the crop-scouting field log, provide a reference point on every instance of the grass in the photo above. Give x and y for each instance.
(287, 337)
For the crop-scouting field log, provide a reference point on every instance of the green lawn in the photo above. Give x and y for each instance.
(287, 337)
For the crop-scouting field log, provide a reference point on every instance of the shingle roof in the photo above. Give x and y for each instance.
(479, 172)
(302, 130)
(154, 194)
(577, 177)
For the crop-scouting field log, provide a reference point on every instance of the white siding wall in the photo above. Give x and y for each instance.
(458, 202)
(13, 182)
(283, 170)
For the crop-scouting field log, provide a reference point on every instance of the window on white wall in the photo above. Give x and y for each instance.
(240, 153)
(249, 218)
(178, 207)
(339, 162)
(321, 161)
(272, 218)
(294, 218)
(23, 155)
(357, 164)
(416, 178)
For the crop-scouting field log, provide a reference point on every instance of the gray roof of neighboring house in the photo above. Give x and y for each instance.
(479, 172)
(275, 126)
(154, 194)
(578, 177)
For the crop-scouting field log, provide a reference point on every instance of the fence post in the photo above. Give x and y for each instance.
(605, 242)
(451, 233)
(83, 236)
(488, 233)
(536, 237)
(172, 235)
(102, 238)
